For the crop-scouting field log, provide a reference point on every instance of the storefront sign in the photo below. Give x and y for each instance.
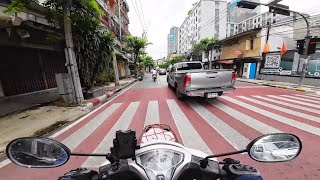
(285, 73)
(313, 74)
(272, 61)
(270, 71)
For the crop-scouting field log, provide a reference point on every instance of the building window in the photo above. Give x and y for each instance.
(251, 43)
(199, 12)
(258, 19)
(274, 21)
(255, 21)
(274, 15)
(216, 12)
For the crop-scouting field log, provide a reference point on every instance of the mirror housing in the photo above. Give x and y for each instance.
(37, 152)
(278, 147)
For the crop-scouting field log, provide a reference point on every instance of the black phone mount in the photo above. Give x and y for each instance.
(124, 145)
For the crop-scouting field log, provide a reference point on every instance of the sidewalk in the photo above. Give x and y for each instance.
(111, 89)
(283, 85)
(40, 120)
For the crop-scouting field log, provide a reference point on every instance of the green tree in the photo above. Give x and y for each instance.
(136, 46)
(205, 45)
(148, 61)
(93, 45)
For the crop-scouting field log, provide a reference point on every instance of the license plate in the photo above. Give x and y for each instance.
(212, 95)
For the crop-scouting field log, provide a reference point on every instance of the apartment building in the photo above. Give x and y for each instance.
(173, 38)
(204, 20)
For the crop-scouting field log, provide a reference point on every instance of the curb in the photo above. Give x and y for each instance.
(281, 86)
(101, 99)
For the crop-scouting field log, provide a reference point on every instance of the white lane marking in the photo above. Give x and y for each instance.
(104, 146)
(301, 99)
(246, 87)
(237, 140)
(90, 113)
(285, 110)
(81, 134)
(295, 101)
(188, 134)
(308, 97)
(289, 105)
(4, 163)
(290, 122)
(152, 116)
(251, 122)
(313, 95)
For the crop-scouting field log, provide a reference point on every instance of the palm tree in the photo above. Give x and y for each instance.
(206, 45)
(136, 46)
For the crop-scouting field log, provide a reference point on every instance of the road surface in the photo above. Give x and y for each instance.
(216, 126)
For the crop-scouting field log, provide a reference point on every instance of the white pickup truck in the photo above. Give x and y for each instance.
(190, 79)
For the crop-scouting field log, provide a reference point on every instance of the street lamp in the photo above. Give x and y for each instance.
(284, 10)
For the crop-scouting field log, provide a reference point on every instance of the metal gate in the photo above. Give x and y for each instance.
(24, 70)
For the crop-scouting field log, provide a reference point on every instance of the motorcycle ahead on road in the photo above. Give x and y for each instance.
(156, 155)
(154, 77)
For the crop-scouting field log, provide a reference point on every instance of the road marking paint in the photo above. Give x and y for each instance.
(4, 163)
(104, 146)
(289, 105)
(152, 116)
(301, 99)
(308, 97)
(90, 113)
(237, 140)
(278, 108)
(295, 101)
(189, 135)
(293, 123)
(81, 134)
(251, 122)
(313, 95)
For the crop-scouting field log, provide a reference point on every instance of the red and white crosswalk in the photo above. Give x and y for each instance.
(215, 126)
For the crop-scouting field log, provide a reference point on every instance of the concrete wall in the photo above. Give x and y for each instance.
(289, 79)
(229, 52)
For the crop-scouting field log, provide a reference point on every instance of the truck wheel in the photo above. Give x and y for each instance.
(178, 94)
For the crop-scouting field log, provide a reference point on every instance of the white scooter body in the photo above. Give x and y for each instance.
(161, 142)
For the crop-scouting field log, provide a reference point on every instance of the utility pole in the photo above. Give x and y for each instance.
(114, 57)
(71, 62)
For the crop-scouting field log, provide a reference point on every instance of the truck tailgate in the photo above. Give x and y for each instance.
(207, 79)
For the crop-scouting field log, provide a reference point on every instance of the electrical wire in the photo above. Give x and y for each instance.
(144, 22)
(137, 13)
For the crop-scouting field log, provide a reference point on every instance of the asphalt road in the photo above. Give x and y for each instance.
(225, 124)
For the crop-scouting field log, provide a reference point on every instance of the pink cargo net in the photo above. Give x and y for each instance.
(156, 132)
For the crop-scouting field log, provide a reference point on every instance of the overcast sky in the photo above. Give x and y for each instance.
(160, 15)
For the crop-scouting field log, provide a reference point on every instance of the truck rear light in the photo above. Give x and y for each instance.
(234, 77)
(187, 80)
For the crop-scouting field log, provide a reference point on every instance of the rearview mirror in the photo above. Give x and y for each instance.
(277, 147)
(37, 152)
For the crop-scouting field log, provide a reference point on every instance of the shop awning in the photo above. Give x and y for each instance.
(122, 55)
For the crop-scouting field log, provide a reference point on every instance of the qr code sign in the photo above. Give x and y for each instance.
(272, 61)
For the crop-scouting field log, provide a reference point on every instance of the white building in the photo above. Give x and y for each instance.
(205, 20)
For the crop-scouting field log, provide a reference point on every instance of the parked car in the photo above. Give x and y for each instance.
(190, 79)
(162, 72)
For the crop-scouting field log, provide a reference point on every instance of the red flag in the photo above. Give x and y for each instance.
(283, 49)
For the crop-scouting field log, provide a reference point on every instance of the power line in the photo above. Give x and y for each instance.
(142, 14)
(138, 15)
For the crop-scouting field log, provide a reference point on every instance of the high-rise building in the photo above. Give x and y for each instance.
(204, 20)
(173, 41)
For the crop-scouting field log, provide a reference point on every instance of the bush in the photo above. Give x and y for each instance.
(107, 75)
